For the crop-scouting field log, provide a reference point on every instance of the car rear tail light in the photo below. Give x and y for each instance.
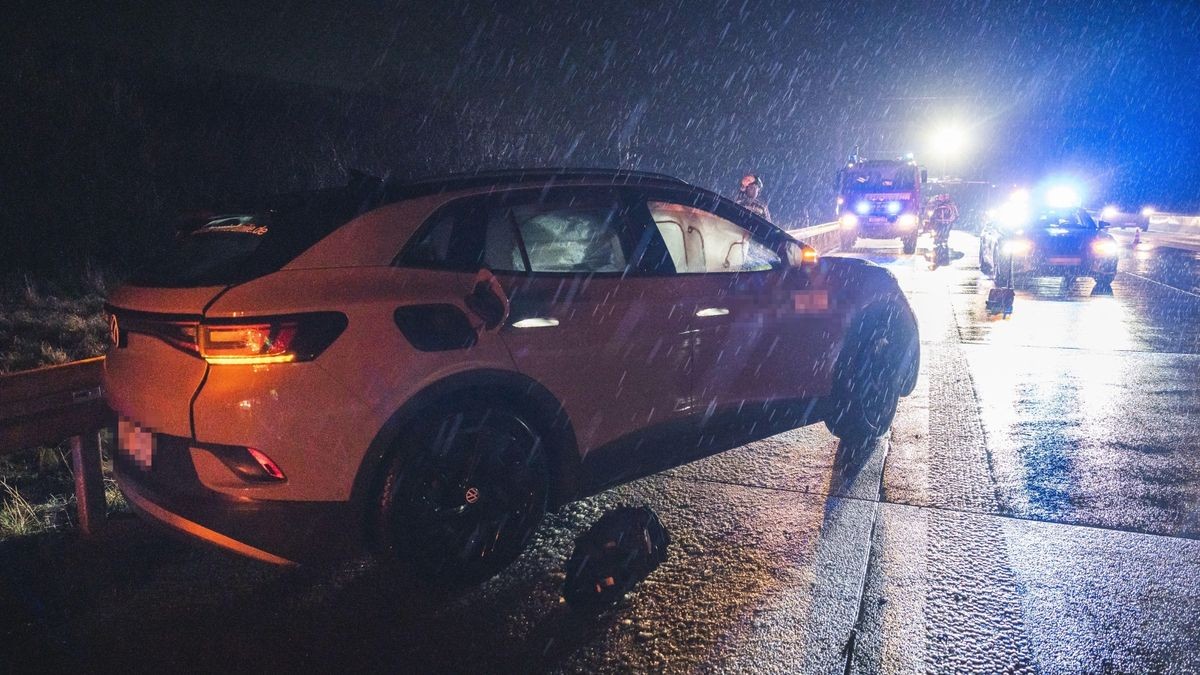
(269, 340)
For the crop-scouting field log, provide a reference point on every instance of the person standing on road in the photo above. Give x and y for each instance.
(748, 196)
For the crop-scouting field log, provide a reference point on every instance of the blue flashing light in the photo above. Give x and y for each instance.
(863, 207)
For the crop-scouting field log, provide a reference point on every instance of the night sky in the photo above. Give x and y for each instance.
(1105, 92)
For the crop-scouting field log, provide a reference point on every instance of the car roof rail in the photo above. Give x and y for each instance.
(549, 173)
(396, 190)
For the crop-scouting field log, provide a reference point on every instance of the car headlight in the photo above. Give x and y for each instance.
(1017, 247)
(907, 221)
(1105, 247)
(849, 221)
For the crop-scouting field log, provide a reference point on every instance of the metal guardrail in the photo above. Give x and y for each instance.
(45, 406)
(822, 237)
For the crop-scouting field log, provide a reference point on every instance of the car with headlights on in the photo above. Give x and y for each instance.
(1054, 242)
(423, 369)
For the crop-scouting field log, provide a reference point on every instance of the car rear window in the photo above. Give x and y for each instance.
(235, 247)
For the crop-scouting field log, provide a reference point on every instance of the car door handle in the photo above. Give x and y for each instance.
(535, 322)
(712, 311)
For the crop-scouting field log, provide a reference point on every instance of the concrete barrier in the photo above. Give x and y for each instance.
(1174, 223)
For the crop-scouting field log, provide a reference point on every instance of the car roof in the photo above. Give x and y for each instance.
(508, 178)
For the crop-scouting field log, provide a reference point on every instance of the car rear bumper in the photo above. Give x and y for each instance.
(273, 531)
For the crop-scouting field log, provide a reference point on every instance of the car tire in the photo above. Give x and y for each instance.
(909, 244)
(869, 375)
(466, 488)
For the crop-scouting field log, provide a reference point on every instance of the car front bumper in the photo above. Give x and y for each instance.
(1064, 265)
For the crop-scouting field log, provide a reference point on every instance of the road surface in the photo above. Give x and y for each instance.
(1036, 507)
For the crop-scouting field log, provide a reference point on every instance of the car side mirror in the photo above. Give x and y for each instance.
(487, 300)
(800, 256)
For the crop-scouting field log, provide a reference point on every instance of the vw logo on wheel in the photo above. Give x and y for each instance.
(472, 495)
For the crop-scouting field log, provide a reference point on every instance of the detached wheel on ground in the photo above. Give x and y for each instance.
(909, 244)
(467, 488)
(880, 346)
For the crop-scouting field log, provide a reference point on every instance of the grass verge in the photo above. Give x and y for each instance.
(44, 322)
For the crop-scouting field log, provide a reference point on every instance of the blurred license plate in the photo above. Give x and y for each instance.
(876, 220)
(135, 443)
(1064, 261)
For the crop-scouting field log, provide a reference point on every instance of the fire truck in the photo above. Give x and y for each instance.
(880, 199)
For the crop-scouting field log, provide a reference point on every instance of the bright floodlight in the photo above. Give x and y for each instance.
(949, 141)
(1062, 197)
(1148, 211)
(1109, 212)
(1019, 196)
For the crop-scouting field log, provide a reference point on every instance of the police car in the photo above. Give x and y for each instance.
(1055, 242)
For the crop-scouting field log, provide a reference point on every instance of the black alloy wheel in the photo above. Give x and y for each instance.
(465, 492)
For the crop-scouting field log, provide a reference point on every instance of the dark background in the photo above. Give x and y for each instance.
(113, 118)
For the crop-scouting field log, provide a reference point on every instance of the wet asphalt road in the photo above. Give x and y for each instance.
(1035, 508)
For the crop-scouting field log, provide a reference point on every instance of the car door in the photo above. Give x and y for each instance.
(591, 317)
(755, 323)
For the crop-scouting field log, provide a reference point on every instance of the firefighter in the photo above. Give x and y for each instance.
(748, 191)
(942, 214)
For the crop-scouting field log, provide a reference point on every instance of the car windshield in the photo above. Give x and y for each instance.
(1064, 218)
(879, 178)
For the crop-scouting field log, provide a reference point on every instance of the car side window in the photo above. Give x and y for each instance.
(560, 230)
(451, 239)
(555, 238)
(700, 242)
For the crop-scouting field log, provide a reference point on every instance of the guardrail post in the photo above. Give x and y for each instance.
(89, 483)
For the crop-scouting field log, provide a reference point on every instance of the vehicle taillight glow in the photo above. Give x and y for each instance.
(275, 340)
(268, 465)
